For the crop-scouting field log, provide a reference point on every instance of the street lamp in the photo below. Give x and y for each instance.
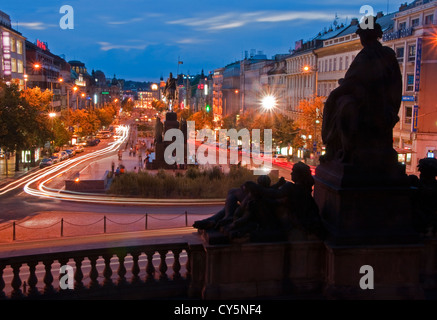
(25, 81)
(307, 69)
(269, 102)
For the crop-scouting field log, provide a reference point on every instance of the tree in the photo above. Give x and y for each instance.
(159, 106)
(310, 119)
(229, 121)
(202, 120)
(24, 122)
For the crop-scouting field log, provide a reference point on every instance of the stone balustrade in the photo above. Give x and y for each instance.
(144, 271)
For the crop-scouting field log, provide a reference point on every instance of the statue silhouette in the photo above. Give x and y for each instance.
(360, 114)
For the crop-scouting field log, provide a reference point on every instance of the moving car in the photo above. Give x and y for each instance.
(45, 162)
(280, 158)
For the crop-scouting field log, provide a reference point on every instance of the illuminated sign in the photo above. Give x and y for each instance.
(7, 71)
(408, 98)
(414, 122)
(418, 62)
(105, 92)
(41, 45)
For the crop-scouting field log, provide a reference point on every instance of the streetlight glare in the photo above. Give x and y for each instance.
(52, 114)
(306, 68)
(269, 102)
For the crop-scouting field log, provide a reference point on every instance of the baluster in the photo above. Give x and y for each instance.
(16, 281)
(2, 282)
(150, 268)
(121, 270)
(32, 280)
(78, 275)
(135, 268)
(62, 262)
(176, 264)
(163, 265)
(94, 274)
(48, 277)
(188, 265)
(107, 272)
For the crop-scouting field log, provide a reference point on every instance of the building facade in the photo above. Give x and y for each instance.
(12, 52)
(414, 39)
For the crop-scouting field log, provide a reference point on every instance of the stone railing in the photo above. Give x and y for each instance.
(129, 272)
(187, 268)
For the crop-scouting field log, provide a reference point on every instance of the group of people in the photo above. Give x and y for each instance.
(261, 210)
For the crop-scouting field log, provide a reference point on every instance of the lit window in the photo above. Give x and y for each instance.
(410, 82)
(415, 22)
(13, 65)
(12, 44)
(20, 66)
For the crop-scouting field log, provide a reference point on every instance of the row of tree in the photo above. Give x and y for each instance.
(27, 120)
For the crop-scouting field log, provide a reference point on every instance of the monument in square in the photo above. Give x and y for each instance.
(170, 122)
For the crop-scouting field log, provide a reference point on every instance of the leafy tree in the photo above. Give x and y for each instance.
(310, 118)
(202, 120)
(159, 106)
(229, 121)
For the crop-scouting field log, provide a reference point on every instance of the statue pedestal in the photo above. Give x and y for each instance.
(369, 221)
(396, 271)
(359, 209)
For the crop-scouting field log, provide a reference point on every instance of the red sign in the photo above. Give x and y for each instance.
(41, 45)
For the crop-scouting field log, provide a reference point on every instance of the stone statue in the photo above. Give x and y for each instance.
(159, 128)
(264, 212)
(360, 114)
(170, 88)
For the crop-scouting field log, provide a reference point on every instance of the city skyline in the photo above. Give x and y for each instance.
(143, 41)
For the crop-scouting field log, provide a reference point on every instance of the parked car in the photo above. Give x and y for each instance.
(45, 162)
(79, 149)
(64, 155)
(71, 152)
(55, 158)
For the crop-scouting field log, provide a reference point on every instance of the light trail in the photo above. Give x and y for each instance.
(42, 178)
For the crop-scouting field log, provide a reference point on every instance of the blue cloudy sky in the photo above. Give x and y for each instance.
(142, 39)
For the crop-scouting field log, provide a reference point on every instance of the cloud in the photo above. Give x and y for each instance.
(125, 21)
(35, 25)
(236, 20)
(106, 46)
(191, 41)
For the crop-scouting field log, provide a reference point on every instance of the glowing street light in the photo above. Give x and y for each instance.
(52, 114)
(268, 102)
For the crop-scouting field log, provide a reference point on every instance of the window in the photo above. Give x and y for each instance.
(335, 64)
(402, 25)
(412, 52)
(346, 62)
(408, 114)
(429, 19)
(19, 47)
(13, 65)
(410, 82)
(330, 64)
(20, 66)
(340, 67)
(12, 44)
(415, 22)
(400, 54)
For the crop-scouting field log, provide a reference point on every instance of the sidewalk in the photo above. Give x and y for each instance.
(12, 174)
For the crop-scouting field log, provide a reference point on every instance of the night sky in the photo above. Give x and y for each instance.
(142, 40)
